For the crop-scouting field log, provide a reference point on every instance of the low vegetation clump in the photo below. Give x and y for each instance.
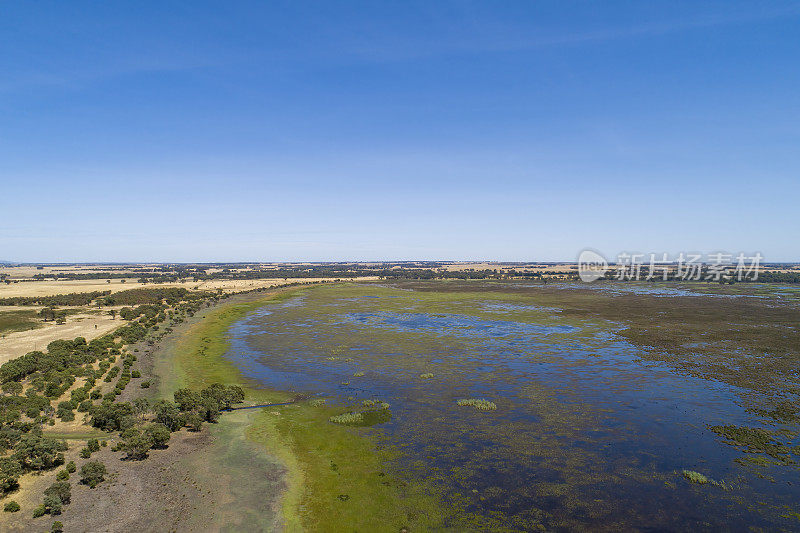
(317, 402)
(56, 496)
(348, 419)
(695, 477)
(11, 507)
(358, 375)
(426, 375)
(93, 473)
(478, 403)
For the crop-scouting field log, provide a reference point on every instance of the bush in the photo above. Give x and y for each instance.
(58, 527)
(10, 471)
(93, 445)
(71, 467)
(145, 384)
(62, 475)
(40, 511)
(11, 507)
(136, 374)
(85, 453)
(92, 473)
(137, 445)
(159, 434)
(61, 490)
(478, 403)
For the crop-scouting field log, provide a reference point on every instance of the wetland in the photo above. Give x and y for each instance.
(527, 406)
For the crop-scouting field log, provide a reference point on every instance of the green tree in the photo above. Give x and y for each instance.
(10, 471)
(167, 413)
(38, 453)
(137, 445)
(93, 473)
(159, 434)
(12, 387)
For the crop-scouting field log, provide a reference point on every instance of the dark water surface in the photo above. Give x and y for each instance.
(587, 434)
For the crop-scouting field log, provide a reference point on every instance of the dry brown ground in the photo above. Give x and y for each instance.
(161, 493)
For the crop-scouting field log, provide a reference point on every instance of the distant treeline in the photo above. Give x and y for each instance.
(143, 296)
(75, 298)
(763, 277)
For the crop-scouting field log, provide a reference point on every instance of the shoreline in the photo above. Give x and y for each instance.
(332, 477)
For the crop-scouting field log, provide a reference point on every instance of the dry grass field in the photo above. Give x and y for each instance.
(51, 288)
(89, 324)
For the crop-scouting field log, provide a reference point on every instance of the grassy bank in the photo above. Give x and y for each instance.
(336, 478)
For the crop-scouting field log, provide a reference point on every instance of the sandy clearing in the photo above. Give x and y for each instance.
(84, 325)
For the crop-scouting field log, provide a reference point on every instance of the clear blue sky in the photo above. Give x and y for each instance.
(221, 131)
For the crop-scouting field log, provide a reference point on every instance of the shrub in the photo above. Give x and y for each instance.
(478, 403)
(93, 445)
(40, 511)
(159, 434)
(85, 453)
(695, 477)
(71, 467)
(10, 471)
(62, 475)
(136, 374)
(348, 419)
(11, 507)
(58, 527)
(92, 473)
(427, 375)
(145, 384)
(137, 445)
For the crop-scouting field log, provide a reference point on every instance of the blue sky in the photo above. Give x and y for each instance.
(224, 131)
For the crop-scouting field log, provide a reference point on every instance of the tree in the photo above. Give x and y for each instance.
(159, 434)
(12, 387)
(141, 406)
(56, 496)
(38, 453)
(48, 313)
(137, 445)
(187, 399)
(167, 413)
(93, 473)
(10, 471)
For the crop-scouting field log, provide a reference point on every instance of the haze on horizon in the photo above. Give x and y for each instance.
(211, 131)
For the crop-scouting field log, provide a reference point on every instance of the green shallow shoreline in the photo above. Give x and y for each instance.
(336, 478)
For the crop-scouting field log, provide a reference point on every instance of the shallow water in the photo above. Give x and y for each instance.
(587, 433)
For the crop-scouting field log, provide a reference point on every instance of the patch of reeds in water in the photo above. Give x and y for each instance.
(478, 403)
(426, 375)
(348, 419)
